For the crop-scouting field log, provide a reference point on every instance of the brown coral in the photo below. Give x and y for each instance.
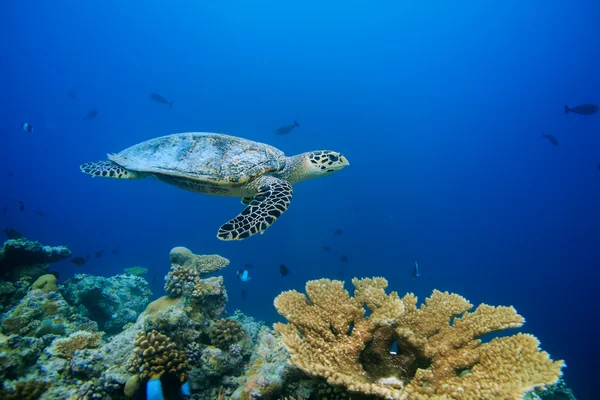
(204, 264)
(439, 355)
(225, 332)
(155, 354)
(28, 390)
(79, 340)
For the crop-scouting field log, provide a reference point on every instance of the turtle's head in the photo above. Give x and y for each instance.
(316, 164)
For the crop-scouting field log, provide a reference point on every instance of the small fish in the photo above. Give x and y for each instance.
(283, 270)
(248, 266)
(27, 127)
(21, 206)
(338, 232)
(115, 251)
(99, 254)
(415, 272)
(244, 294)
(163, 386)
(12, 234)
(243, 275)
(90, 115)
(284, 130)
(159, 99)
(326, 248)
(10, 173)
(344, 259)
(550, 138)
(582, 109)
(39, 213)
(79, 261)
(72, 95)
(4, 209)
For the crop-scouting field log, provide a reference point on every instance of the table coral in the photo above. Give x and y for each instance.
(204, 264)
(18, 254)
(439, 354)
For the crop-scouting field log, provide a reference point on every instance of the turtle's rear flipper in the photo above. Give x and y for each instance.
(108, 169)
(272, 199)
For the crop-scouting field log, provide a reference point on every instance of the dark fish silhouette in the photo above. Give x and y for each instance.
(248, 266)
(244, 294)
(283, 270)
(115, 251)
(582, 109)
(90, 115)
(415, 272)
(21, 206)
(4, 210)
(340, 273)
(326, 248)
(284, 130)
(551, 139)
(39, 213)
(338, 232)
(12, 234)
(99, 254)
(10, 173)
(159, 99)
(344, 259)
(72, 95)
(79, 261)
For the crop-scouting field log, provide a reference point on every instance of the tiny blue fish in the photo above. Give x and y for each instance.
(27, 127)
(416, 273)
(243, 275)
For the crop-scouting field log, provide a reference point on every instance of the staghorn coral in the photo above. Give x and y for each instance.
(155, 354)
(225, 332)
(25, 390)
(329, 336)
(66, 347)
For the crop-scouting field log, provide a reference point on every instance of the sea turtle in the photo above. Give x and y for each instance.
(223, 165)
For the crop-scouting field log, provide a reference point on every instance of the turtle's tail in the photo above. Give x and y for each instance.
(108, 169)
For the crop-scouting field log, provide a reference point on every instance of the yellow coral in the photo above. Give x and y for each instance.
(66, 347)
(45, 283)
(439, 355)
(204, 264)
(27, 390)
(162, 303)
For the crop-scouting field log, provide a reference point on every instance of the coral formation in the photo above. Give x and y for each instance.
(21, 257)
(329, 336)
(25, 390)
(66, 347)
(225, 332)
(45, 283)
(187, 269)
(111, 302)
(155, 354)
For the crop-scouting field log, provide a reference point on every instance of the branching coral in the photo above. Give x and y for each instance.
(155, 354)
(438, 356)
(66, 347)
(225, 332)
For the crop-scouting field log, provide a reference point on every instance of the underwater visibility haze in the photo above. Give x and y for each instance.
(449, 147)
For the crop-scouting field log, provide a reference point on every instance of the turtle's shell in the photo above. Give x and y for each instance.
(206, 157)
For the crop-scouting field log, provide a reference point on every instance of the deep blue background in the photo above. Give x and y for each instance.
(439, 107)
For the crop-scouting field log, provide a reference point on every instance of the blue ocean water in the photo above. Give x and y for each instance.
(439, 107)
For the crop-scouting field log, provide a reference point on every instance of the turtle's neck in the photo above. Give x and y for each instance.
(297, 169)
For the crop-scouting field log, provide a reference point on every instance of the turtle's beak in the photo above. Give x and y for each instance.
(344, 161)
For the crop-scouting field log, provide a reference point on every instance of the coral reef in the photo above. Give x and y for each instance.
(225, 332)
(187, 269)
(21, 257)
(25, 390)
(329, 336)
(66, 347)
(155, 354)
(111, 302)
(40, 313)
(45, 283)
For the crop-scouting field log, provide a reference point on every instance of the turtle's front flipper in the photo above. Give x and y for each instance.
(246, 200)
(273, 198)
(108, 169)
